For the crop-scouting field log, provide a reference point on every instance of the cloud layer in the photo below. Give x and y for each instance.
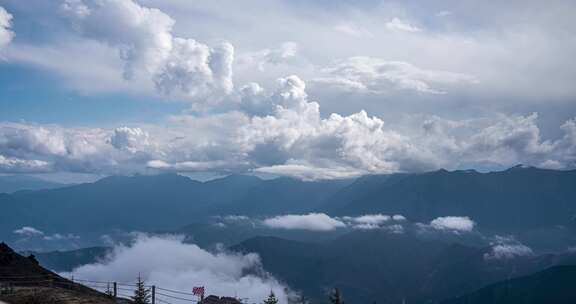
(284, 133)
(168, 263)
(457, 223)
(144, 40)
(507, 247)
(244, 126)
(311, 221)
(6, 34)
(377, 76)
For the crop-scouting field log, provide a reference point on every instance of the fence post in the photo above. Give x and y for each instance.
(153, 294)
(115, 289)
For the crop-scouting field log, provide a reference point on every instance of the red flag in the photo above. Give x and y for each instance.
(198, 291)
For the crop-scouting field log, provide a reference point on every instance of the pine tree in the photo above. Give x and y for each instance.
(141, 293)
(335, 297)
(271, 299)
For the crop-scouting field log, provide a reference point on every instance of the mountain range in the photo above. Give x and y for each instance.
(537, 204)
(515, 208)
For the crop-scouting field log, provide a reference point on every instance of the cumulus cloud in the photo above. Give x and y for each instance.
(145, 43)
(16, 165)
(260, 59)
(308, 172)
(374, 75)
(6, 34)
(169, 263)
(279, 131)
(507, 248)
(34, 148)
(454, 223)
(31, 232)
(129, 138)
(28, 231)
(297, 136)
(282, 132)
(311, 221)
(376, 221)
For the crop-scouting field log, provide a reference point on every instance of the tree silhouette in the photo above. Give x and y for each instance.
(271, 299)
(141, 293)
(335, 297)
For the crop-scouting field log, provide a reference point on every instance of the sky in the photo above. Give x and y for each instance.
(308, 89)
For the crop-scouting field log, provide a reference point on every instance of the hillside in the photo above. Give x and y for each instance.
(30, 283)
(387, 268)
(545, 197)
(554, 285)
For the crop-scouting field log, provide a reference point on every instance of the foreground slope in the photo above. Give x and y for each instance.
(31, 283)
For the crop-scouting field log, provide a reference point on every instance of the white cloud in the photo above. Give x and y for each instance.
(260, 59)
(129, 138)
(168, 263)
(145, 42)
(192, 166)
(61, 237)
(308, 172)
(284, 133)
(311, 221)
(376, 221)
(507, 248)
(396, 24)
(16, 165)
(29, 231)
(6, 35)
(374, 75)
(520, 64)
(454, 223)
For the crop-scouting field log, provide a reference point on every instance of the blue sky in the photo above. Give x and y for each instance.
(309, 89)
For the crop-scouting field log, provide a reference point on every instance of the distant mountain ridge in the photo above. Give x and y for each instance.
(13, 183)
(66, 261)
(494, 200)
(538, 203)
(152, 202)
